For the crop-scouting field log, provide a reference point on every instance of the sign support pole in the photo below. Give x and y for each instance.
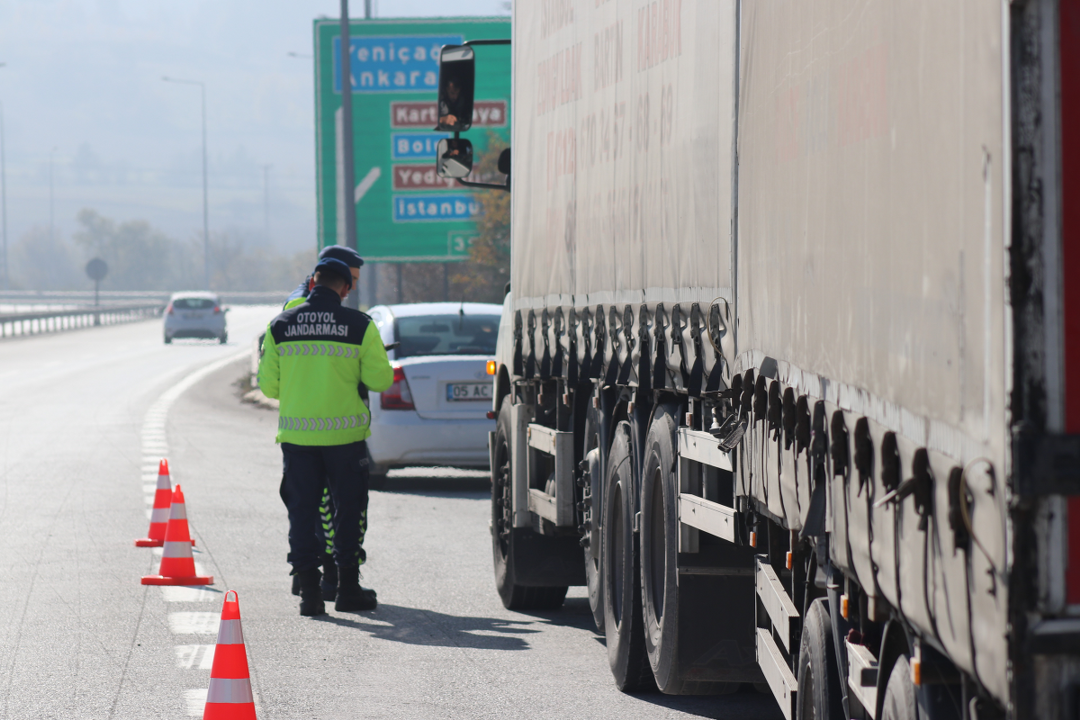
(347, 159)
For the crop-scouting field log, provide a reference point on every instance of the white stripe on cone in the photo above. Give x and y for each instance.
(224, 690)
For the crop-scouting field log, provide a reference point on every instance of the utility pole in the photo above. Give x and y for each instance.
(347, 158)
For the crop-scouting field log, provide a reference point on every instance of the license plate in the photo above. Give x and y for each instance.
(458, 392)
(193, 316)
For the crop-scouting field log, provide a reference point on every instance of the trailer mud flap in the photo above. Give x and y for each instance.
(720, 645)
(541, 561)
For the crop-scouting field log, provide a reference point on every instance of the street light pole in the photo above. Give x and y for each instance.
(347, 159)
(205, 194)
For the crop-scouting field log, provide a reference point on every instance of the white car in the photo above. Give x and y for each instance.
(195, 315)
(436, 412)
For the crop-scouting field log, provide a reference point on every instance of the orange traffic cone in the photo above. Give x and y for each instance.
(177, 564)
(159, 518)
(229, 696)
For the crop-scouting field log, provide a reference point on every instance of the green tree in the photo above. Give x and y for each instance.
(139, 256)
(44, 261)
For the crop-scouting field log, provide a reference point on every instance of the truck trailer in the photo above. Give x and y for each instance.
(788, 372)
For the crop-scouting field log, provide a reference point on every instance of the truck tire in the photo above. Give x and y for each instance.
(620, 571)
(504, 536)
(667, 603)
(593, 573)
(819, 678)
(900, 702)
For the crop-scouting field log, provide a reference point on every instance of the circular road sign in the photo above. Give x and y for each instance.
(97, 269)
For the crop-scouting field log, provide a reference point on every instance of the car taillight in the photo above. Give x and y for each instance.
(169, 309)
(217, 309)
(397, 396)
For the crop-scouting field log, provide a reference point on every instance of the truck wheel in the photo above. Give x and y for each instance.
(502, 516)
(900, 702)
(595, 502)
(504, 535)
(620, 571)
(819, 680)
(665, 602)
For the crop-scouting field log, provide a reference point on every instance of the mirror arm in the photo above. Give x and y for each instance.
(491, 186)
(487, 42)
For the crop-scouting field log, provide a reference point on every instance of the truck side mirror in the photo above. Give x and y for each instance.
(457, 74)
(453, 158)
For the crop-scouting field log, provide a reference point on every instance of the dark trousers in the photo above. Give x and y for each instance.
(307, 470)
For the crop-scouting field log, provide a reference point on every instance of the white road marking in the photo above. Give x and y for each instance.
(155, 446)
(194, 623)
(181, 593)
(195, 701)
(195, 657)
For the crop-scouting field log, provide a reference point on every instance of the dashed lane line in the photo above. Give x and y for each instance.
(181, 593)
(155, 446)
(194, 623)
(195, 657)
(195, 701)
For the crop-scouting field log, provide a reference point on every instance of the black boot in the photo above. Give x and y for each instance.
(329, 581)
(296, 585)
(350, 596)
(311, 600)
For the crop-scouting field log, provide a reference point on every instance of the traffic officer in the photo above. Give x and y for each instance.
(339, 252)
(326, 507)
(315, 356)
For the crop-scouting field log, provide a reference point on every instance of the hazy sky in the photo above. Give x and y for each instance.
(82, 85)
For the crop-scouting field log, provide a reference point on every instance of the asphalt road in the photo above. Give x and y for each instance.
(84, 416)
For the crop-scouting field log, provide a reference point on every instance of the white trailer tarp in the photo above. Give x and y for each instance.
(622, 151)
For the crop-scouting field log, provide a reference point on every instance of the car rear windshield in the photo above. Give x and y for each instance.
(193, 303)
(446, 335)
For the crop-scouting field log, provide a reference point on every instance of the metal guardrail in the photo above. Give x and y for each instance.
(86, 297)
(43, 321)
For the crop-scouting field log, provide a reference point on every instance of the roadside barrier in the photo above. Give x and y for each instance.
(45, 321)
(229, 696)
(159, 516)
(177, 564)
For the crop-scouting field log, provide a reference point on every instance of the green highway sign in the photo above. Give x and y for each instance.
(404, 211)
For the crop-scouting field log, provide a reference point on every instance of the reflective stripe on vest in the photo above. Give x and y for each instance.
(288, 349)
(338, 423)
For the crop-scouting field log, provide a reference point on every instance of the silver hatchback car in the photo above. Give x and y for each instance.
(195, 315)
(436, 411)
